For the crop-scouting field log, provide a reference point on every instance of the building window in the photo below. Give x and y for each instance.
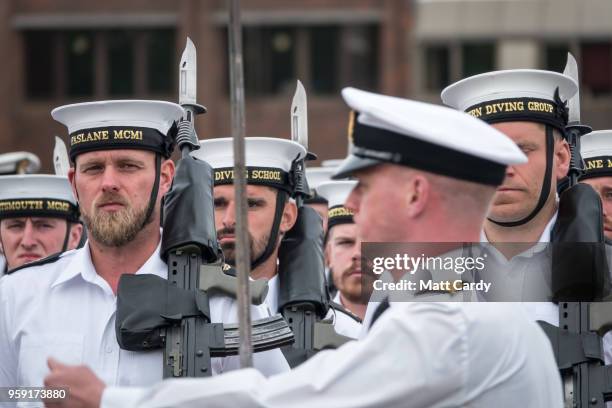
(360, 61)
(161, 72)
(99, 64)
(269, 58)
(477, 58)
(40, 68)
(437, 67)
(79, 64)
(555, 57)
(325, 57)
(596, 67)
(120, 46)
(324, 54)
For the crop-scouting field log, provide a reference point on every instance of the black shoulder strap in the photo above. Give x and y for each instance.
(382, 307)
(338, 307)
(49, 259)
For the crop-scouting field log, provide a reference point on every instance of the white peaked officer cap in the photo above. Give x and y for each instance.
(315, 176)
(336, 193)
(514, 95)
(19, 163)
(331, 163)
(37, 195)
(268, 160)
(122, 124)
(440, 140)
(596, 151)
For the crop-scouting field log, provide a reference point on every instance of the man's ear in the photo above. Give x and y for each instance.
(72, 180)
(76, 230)
(289, 216)
(166, 175)
(563, 157)
(417, 195)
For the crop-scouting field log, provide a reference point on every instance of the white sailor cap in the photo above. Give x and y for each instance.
(269, 161)
(596, 151)
(39, 195)
(122, 124)
(426, 137)
(315, 176)
(336, 193)
(19, 163)
(514, 95)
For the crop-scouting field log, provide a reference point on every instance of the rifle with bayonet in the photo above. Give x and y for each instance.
(303, 297)
(580, 280)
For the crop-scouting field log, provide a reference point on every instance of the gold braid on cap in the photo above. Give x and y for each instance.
(351, 126)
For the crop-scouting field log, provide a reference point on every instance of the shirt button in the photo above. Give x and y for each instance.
(109, 350)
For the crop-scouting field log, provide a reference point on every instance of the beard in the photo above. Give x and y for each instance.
(256, 246)
(117, 228)
(356, 289)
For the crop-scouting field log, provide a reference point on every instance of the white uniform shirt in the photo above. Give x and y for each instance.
(343, 323)
(67, 311)
(367, 319)
(525, 270)
(416, 355)
(271, 300)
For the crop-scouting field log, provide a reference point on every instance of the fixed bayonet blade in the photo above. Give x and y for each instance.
(60, 158)
(571, 70)
(188, 75)
(299, 116)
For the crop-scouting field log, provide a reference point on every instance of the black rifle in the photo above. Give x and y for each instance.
(303, 297)
(580, 282)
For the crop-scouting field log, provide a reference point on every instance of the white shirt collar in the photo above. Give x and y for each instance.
(272, 297)
(81, 264)
(544, 238)
(540, 246)
(546, 234)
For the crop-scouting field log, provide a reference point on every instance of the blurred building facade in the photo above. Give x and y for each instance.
(453, 39)
(68, 51)
(65, 51)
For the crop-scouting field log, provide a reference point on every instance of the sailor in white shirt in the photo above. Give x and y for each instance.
(343, 257)
(417, 354)
(65, 310)
(39, 217)
(268, 161)
(271, 211)
(65, 307)
(596, 151)
(529, 106)
(11, 164)
(383, 370)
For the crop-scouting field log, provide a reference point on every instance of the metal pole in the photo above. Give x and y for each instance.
(243, 258)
